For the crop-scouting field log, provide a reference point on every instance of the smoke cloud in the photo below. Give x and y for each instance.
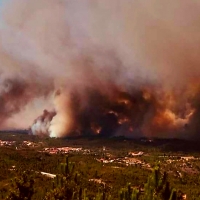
(42, 124)
(108, 67)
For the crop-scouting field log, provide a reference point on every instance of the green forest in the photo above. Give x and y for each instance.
(97, 172)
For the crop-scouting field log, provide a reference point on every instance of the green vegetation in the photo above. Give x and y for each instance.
(67, 185)
(22, 188)
(84, 175)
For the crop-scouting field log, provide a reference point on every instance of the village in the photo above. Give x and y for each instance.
(62, 150)
(181, 163)
(178, 165)
(7, 143)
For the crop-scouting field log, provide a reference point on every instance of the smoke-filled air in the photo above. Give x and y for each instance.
(99, 67)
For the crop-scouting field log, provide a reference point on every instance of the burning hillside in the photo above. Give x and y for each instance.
(143, 112)
(100, 67)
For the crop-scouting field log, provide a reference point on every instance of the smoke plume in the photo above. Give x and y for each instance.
(42, 124)
(108, 67)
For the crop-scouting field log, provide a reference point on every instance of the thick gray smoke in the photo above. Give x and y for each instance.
(84, 49)
(42, 124)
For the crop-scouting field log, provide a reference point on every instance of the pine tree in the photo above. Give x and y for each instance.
(22, 188)
(66, 184)
(128, 193)
(158, 188)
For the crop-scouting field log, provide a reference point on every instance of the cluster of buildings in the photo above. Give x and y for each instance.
(13, 143)
(133, 154)
(7, 143)
(134, 161)
(55, 150)
(126, 160)
(130, 160)
(28, 144)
